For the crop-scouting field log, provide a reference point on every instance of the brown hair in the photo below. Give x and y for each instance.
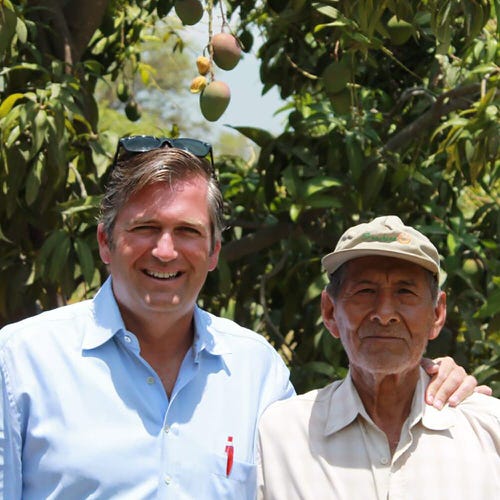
(134, 171)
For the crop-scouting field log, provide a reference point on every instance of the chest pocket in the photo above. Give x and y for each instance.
(240, 484)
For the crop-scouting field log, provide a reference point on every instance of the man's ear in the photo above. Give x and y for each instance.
(327, 313)
(102, 240)
(439, 316)
(214, 256)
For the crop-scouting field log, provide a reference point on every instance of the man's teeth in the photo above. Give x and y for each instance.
(163, 276)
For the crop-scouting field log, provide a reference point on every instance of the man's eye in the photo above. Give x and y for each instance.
(405, 291)
(365, 291)
(143, 228)
(188, 229)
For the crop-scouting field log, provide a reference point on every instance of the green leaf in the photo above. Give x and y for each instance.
(372, 183)
(422, 179)
(295, 211)
(321, 367)
(93, 67)
(327, 201)
(25, 67)
(292, 182)
(315, 288)
(100, 46)
(327, 10)
(485, 68)
(71, 207)
(39, 130)
(317, 184)
(3, 237)
(7, 26)
(354, 156)
(13, 136)
(52, 241)
(163, 8)
(452, 243)
(8, 103)
(59, 258)
(34, 180)
(492, 305)
(145, 72)
(85, 258)
(21, 31)
(259, 136)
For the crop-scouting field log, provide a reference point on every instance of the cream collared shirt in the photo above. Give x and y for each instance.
(323, 445)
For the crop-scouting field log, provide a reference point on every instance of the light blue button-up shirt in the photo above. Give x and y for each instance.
(83, 415)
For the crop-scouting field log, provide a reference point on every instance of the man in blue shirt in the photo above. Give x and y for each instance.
(139, 393)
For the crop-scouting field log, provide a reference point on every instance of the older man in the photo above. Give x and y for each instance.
(371, 436)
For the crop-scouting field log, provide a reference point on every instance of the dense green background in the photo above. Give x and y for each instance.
(408, 124)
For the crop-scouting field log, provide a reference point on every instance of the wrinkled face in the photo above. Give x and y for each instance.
(161, 255)
(384, 314)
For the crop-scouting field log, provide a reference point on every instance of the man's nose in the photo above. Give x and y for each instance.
(385, 310)
(165, 247)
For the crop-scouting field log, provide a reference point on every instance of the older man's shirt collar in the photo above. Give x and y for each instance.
(346, 405)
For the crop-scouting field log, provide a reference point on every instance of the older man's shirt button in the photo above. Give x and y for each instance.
(150, 380)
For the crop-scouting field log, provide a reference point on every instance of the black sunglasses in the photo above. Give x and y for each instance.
(143, 143)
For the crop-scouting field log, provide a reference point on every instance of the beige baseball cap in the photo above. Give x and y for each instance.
(385, 236)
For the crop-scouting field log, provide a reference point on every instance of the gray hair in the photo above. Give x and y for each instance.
(133, 172)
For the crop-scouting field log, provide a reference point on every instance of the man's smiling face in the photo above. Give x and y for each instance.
(161, 254)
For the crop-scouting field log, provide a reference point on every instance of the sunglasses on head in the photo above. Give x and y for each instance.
(143, 143)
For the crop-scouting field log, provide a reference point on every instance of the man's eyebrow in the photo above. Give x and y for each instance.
(407, 282)
(367, 281)
(362, 281)
(141, 219)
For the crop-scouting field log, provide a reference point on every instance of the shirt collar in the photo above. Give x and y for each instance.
(206, 337)
(431, 417)
(108, 322)
(107, 318)
(346, 405)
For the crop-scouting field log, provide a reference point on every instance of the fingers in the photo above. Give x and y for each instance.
(431, 366)
(465, 389)
(449, 384)
(484, 389)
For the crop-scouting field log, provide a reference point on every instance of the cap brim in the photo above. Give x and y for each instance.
(334, 260)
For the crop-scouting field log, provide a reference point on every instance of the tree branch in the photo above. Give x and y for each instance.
(83, 19)
(287, 350)
(255, 242)
(453, 100)
(58, 39)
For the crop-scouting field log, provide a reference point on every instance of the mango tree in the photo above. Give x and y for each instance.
(393, 108)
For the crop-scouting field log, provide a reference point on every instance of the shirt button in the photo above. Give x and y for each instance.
(168, 479)
(166, 429)
(128, 339)
(150, 380)
(384, 460)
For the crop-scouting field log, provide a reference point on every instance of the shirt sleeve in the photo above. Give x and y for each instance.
(260, 472)
(282, 388)
(10, 442)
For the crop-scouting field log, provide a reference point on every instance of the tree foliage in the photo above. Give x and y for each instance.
(392, 107)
